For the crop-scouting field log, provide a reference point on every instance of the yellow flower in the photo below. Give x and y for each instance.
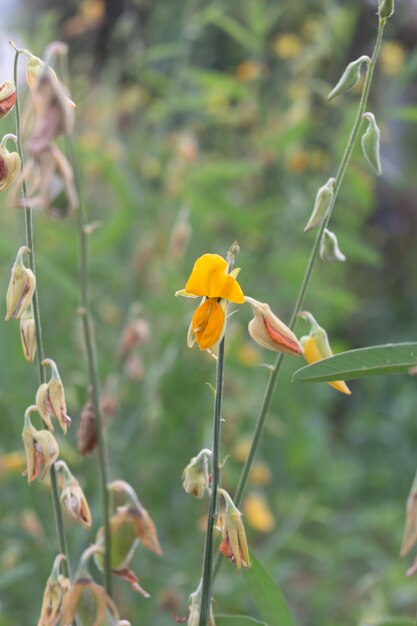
(211, 281)
(316, 347)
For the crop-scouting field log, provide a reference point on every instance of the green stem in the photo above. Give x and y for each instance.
(90, 345)
(207, 576)
(354, 135)
(62, 542)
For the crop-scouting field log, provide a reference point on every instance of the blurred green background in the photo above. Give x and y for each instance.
(198, 123)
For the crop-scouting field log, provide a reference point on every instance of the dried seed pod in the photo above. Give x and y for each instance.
(87, 427)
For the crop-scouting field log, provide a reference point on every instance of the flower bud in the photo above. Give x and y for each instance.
(7, 97)
(194, 608)
(56, 587)
(316, 347)
(10, 164)
(28, 335)
(41, 448)
(329, 248)
(349, 78)
(50, 399)
(21, 287)
(234, 545)
(370, 143)
(195, 477)
(385, 8)
(269, 332)
(324, 199)
(73, 500)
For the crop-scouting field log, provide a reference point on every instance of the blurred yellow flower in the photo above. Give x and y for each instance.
(258, 513)
(392, 57)
(248, 70)
(286, 45)
(211, 281)
(260, 474)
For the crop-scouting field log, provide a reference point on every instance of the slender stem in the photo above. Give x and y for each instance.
(207, 578)
(353, 137)
(62, 542)
(90, 345)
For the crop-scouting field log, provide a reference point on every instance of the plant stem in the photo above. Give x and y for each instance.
(84, 311)
(62, 542)
(353, 137)
(207, 576)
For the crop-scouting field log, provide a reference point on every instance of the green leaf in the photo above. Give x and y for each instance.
(237, 620)
(393, 621)
(394, 358)
(267, 595)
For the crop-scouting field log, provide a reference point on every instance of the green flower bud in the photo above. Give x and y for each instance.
(322, 204)
(370, 143)
(385, 8)
(349, 78)
(329, 248)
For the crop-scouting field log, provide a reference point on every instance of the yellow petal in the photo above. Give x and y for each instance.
(313, 354)
(258, 513)
(207, 323)
(210, 278)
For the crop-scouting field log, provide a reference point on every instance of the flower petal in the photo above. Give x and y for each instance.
(207, 323)
(210, 278)
(313, 354)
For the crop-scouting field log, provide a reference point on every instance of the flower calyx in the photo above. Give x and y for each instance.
(195, 477)
(7, 97)
(28, 334)
(50, 399)
(56, 587)
(317, 347)
(73, 500)
(268, 331)
(234, 545)
(21, 287)
(41, 448)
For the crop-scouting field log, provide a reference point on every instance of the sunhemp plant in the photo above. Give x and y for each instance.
(215, 281)
(46, 173)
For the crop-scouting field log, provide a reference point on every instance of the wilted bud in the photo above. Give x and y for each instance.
(36, 70)
(349, 78)
(21, 287)
(195, 477)
(370, 143)
(316, 347)
(385, 8)
(41, 448)
(329, 248)
(10, 164)
(269, 332)
(322, 204)
(7, 97)
(136, 513)
(87, 427)
(234, 545)
(194, 609)
(56, 587)
(88, 600)
(28, 335)
(50, 399)
(73, 500)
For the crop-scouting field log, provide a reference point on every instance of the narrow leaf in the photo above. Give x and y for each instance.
(372, 361)
(268, 597)
(393, 621)
(237, 620)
